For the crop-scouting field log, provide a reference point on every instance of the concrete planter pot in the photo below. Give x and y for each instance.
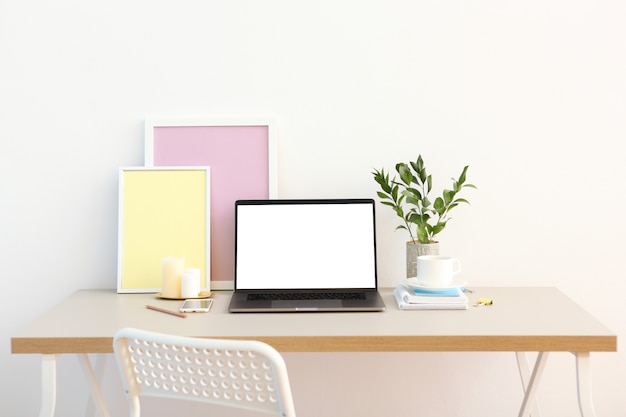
(415, 249)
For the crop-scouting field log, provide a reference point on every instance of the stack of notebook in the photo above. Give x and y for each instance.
(419, 298)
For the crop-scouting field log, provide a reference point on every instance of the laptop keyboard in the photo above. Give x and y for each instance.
(306, 296)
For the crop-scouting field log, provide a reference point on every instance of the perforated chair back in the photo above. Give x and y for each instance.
(237, 373)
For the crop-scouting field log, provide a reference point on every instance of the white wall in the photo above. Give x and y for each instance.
(531, 94)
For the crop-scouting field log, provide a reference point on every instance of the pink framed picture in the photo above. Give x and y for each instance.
(243, 159)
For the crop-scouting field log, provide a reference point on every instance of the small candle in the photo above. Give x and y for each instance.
(190, 283)
(172, 271)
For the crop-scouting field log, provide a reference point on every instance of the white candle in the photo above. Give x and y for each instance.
(172, 271)
(190, 283)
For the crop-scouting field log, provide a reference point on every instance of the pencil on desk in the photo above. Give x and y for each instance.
(163, 310)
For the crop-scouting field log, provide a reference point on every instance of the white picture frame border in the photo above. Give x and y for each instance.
(121, 218)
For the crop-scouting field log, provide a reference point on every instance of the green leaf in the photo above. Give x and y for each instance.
(382, 180)
(448, 196)
(440, 207)
(394, 193)
(439, 204)
(463, 175)
(422, 219)
(438, 227)
(415, 192)
(418, 165)
(422, 235)
(413, 200)
(405, 173)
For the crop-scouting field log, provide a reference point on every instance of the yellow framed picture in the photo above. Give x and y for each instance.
(163, 211)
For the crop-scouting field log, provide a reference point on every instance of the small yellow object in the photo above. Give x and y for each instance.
(485, 301)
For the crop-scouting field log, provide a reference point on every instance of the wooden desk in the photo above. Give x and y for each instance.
(537, 319)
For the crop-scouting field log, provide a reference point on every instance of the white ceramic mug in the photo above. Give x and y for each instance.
(437, 271)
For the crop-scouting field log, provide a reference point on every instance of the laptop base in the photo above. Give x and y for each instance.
(239, 303)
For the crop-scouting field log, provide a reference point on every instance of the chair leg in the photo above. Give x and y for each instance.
(135, 407)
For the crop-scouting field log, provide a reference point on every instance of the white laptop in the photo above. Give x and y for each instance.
(305, 256)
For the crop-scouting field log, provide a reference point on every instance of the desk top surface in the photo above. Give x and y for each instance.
(520, 319)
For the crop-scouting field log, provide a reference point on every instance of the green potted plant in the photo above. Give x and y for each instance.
(410, 198)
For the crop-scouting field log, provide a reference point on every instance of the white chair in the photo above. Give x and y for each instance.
(236, 373)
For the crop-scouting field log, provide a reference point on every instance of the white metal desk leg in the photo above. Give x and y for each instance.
(94, 385)
(524, 372)
(533, 383)
(583, 380)
(48, 385)
(101, 360)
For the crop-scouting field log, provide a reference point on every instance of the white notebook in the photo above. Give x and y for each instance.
(408, 301)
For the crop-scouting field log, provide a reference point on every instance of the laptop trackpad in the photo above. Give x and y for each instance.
(307, 304)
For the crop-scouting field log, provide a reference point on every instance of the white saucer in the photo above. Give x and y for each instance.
(415, 283)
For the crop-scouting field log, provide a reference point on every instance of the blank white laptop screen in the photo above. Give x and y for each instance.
(299, 245)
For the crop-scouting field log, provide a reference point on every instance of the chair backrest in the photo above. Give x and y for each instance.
(238, 373)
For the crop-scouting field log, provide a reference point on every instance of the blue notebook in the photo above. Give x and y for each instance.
(446, 292)
(408, 300)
